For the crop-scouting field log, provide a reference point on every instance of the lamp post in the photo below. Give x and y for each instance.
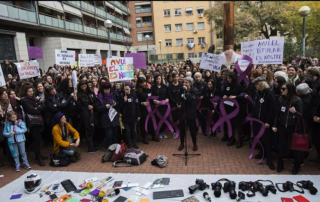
(147, 37)
(108, 24)
(304, 12)
(160, 52)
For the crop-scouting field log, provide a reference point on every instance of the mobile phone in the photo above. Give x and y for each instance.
(53, 196)
(55, 187)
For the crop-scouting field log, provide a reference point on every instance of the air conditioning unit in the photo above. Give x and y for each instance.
(201, 15)
(195, 31)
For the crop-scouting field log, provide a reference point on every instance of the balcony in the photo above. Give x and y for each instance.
(144, 39)
(125, 24)
(88, 7)
(102, 33)
(17, 13)
(90, 30)
(130, 26)
(119, 37)
(149, 24)
(51, 22)
(74, 27)
(118, 20)
(75, 3)
(101, 12)
(143, 10)
(113, 36)
(110, 17)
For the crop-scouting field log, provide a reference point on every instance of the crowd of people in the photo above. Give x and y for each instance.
(49, 110)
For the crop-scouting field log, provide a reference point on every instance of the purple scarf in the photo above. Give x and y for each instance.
(109, 97)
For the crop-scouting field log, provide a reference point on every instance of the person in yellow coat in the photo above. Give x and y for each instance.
(61, 133)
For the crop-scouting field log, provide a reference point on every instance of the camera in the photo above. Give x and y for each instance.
(230, 187)
(245, 186)
(271, 188)
(200, 184)
(258, 186)
(307, 184)
(216, 186)
(287, 186)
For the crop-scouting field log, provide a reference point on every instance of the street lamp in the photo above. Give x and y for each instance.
(108, 24)
(160, 52)
(147, 37)
(304, 12)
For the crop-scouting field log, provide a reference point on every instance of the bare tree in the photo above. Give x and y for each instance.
(127, 44)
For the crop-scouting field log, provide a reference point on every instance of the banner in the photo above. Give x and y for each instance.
(120, 69)
(139, 60)
(65, 57)
(28, 69)
(2, 81)
(211, 62)
(35, 52)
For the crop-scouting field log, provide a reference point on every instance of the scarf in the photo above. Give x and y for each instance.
(109, 97)
(4, 104)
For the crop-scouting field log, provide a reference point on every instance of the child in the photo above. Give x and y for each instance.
(14, 131)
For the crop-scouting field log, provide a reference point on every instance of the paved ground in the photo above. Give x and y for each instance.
(216, 158)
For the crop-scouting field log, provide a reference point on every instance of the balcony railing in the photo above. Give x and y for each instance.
(143, 10)
(118, 20)
(90, 30)
(125, 24)
(103, 33)
(110, 17)
(50, 21)
(74, 26)
(173, 57)
(113, 36)
(101, 12)
(119, 37)
(149, 24)
(88, 7)
(144, 39)
(75, 3)
(130, 26)
(17, 13)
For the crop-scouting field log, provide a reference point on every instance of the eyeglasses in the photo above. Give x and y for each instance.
(283, 89)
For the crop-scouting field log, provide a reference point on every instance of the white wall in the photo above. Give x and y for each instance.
(20, 45)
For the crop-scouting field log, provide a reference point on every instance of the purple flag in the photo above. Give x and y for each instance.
(139, 60)
(35, 52)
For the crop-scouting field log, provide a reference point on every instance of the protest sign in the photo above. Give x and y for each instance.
(112, 113)
(35, 52)
(86, 60)
(65, 57)
(74, 79)
(248, 48)
(2, 81)
(97, 59)
(120, 69)
(139, 60)
(243, 64)
(269, 51)
(28, 69)
(211, 62)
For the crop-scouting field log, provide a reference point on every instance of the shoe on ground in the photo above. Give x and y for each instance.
(239, 144)
(195, 147)
(213, 135)
(1, 164)
(160, 136)
(231, 142)
(174, 135)
(258, 156)
(40, 162)
(279, 169)
(27, 166)
(129, 146)
(224, 138)
(181, 147)
(17, 168)
(295, 170)
(93, 150)
(135, 146)
(164, 136)
(315, 160)
(145, 141)
(300, 165)
(271, 166)
(155, 138)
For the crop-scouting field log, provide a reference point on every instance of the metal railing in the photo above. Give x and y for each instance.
(172, 57)
(119, 37)
(74, 26)
(110, 17)
(51, 21)
(149, 24)
(20, 13)
(125, 24)
(75, 3)
(118, 20)
(101, 12)
(113, 36)
(143, 10)
(90, 30)
(144, 39)
(130, 26)
(102, 33)
(88, 7)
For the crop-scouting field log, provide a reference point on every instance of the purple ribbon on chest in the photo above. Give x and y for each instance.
(243, 75)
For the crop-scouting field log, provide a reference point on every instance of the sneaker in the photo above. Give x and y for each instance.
(135, 146)
(17, 168)
(155, 138)
(181, 147)
(27, 166)
(93, 150)
(164, 136)
(160, 135)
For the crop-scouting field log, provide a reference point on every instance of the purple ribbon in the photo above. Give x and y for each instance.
(243, 75)
(226, 117)
(209, 119)
(213, 100)
(163, 119)
(262, 129)
(151, 113)
(174, 124)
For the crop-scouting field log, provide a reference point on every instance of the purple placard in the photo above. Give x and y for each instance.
(139, 60)
(35, 52)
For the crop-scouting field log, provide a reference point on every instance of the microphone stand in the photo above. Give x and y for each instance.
(186, 155)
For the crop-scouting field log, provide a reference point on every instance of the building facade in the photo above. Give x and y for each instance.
(181, 31)
(64, 25)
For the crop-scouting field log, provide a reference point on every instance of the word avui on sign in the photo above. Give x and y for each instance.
(120, 69)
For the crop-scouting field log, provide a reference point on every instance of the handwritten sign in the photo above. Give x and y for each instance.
(211, 62)
(28, 69)
(139, 60)
(65, 57)
(97, 59)
(112, 113)
(86, 60)
(2, 81)
(35, 52)
(243, 64)
(269, 51)
(248, 48)
(120, 69)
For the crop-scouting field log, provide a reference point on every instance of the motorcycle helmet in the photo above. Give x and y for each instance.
(32, 183)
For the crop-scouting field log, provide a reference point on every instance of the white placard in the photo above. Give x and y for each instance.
(269, 51)
(86, 60)
(2, 81)
(97, 59)
(243, 64)
(248, 48)
(28, 69)
(112, 113)
(120, 68)
(211, 62)
(65, 57)
(74, 78)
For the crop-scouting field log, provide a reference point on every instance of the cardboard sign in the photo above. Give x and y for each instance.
(28, 69)
(139, 60)
(35, 52)
(65, 57)
(120, 69)
(211, 62)
(2, 81)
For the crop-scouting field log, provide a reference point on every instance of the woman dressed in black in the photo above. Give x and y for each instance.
(174, 99)
(143, 92)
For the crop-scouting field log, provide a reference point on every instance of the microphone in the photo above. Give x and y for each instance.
(206, 196)
(114, 193)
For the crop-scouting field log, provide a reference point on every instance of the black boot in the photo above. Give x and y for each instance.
(224, 138)
(295, 169)
(280, 166)
(231, 142)
(270, 164)
(239, 144)
(40, 161)
(259, 155)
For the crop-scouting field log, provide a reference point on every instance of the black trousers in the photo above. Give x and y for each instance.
(202, 121)
(191, 124)
(235, 125)
(162, 110)
(142, 125)
(316, 137)
(36, 135)
(266, 138)
(87, 128)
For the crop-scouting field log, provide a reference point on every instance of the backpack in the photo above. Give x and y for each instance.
(59, 160)
(107, 156)
(132, 157)
(119, 152)
(160, 161)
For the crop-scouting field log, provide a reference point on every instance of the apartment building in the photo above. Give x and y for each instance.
(181, 30)
(64, 25)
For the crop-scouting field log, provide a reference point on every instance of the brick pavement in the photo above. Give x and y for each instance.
(216, 158)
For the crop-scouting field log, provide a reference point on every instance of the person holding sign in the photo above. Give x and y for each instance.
(130, 115)
(107, 106)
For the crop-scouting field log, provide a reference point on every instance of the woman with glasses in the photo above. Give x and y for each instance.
(288, 113)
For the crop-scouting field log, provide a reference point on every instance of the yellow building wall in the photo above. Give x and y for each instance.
(160, 21)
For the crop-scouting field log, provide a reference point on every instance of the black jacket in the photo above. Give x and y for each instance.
(188, 110)
(130, 109)
(31, 107)
(71, 109)
(284, 117)
(51, 109)
(142, 97)
(317, 84)
(173, 92)
(265, 106)
(104, 113)
(6, 69)
(201, 87)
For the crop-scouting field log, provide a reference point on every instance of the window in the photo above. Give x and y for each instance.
(190, 55)
(200, 25)
(179, 42)
(169, 56)
(7, 48)
(166, 13)
(200, 10)
(178, 27)
(168, 42)
(121, 53)
(200, 54)
(177, 12)
(167, 28)
(219, 35)
(201, 39)
(189, 11)
(189, 26)
(190, 40)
